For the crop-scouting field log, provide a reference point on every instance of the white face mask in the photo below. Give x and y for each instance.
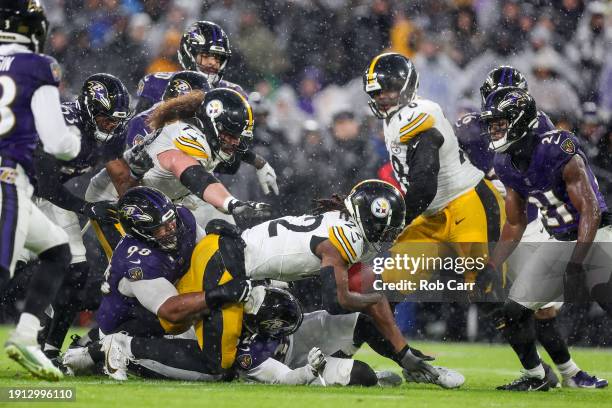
(103, 137)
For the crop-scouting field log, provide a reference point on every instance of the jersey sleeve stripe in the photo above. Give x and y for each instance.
(412, 122)
(348, 243)
(425, 123)
(190, 149)
(336, 241)
(191, 142)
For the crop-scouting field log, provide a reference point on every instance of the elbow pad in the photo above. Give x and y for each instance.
(197, 179)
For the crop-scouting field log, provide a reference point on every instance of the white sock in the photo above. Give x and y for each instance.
(28, 326)
(49, 347)
(568, 369)
(536, 372)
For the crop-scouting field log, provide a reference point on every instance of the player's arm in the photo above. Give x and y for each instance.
(424, 165)
(57, 139)
(512, 232)
(583, 197)
(265, 173)
(120, 175)
(332, 263)
(272, 371)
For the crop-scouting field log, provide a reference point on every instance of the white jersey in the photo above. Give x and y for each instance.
(283, 249)
(186, 138)
(456, 175)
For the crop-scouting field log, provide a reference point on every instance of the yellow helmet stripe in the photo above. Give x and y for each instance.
(248, 106)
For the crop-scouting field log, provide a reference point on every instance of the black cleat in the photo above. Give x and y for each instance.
(525, 383)
(550, 376)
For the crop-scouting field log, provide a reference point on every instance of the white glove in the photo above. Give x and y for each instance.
(316, 360)
(267, 179)
(255, 300)
(499, 186)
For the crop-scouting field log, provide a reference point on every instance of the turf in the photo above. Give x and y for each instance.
(484, 367)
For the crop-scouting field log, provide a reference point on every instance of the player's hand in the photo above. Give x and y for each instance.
(412, 359)
(101, 211)
(267, 179)
(249, 211)
(316, 360)
(255, 300)
(488, 287)
(574, 282)
(138, 160)
(234, 291)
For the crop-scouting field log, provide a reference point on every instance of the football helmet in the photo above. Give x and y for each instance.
(379, 210)
(279, 315)
(499, 77)
(226, 118)
(147, 214)
(23, 22)
(204, 37)
(509, 115)
(184, 82)
(105, 105)
(390, 72)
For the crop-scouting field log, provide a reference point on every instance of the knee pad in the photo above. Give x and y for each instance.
(362, 374)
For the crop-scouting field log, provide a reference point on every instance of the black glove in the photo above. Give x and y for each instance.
(575, 290)
(488, 287)
(101, 211)
(138, 160)
(234, 291)
(222, 227)
(249, 212)
(412, 360)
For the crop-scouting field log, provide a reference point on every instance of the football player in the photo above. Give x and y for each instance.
(550, 170)
(447, 198)
(204, 48)
(31, 112)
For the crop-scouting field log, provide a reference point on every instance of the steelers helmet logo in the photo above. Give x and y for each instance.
(214, 108)
(380, 207)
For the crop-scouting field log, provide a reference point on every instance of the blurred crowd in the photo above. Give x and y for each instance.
(304, 59)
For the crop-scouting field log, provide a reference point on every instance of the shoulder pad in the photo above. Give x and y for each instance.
(48, 71)
(414, 120)
(347, 239)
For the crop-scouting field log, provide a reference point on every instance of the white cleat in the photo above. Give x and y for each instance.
(447, 378)
(28, 354)
(389, 379)
(78, 361)
(116, 357)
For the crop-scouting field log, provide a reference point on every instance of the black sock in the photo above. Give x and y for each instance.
(47, 279)
(549, 337)
(174, 353)
(602, 294)
(67, 303)
(519, 331)
(362, 374)
(366, 331)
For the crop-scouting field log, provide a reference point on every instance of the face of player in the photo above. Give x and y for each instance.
(166, 234)
(209, 63)
(106, 124)
(497, 129)
(387, 99)
(229, 143)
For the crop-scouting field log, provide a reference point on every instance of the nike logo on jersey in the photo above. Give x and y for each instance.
(457, 222)
(136, 262)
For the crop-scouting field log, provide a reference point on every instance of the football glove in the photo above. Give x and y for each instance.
(488, 287)
(249, 212)
(575, 290)
(101, 211)
(316, 360)
(414, 360)
(234, 291)
(267, 179)
(138, 160)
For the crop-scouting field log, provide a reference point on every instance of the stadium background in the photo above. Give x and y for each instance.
(305, 58)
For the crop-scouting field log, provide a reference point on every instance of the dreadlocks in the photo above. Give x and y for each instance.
(335, 203)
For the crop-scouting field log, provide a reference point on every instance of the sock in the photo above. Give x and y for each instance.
(518, 329)
(536, 372)
(366, 331)
(49, 347)
(550, 338)
(28, 326)
(568, 369)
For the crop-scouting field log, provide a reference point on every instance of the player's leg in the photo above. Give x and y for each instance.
(345, 371)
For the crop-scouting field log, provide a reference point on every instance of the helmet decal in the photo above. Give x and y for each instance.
(181, 86)
(380, 207)
(214, 108)
(136, 213)
(98, 92)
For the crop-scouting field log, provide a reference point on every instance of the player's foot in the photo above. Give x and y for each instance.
(447, 377)
(551, 376)
(30, 356)
(388, 379)
(77, 360)
(526, 383)
(116, 358)
(583, 380)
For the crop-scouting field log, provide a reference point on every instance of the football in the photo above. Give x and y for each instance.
(361, 278)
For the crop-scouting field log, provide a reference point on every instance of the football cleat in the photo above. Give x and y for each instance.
(29, 355)
(551, 376)
(526, 383)
(447, 378)
(116, 358)
(388, 379)
(78, 361)
(583, 380)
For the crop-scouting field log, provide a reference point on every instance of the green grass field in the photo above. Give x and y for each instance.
(484, 367)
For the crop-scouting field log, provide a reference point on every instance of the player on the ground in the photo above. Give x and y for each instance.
(550, 170)
(31, 111)
(204, 48)
(448, 202)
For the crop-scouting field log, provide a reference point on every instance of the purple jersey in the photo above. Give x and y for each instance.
(21, 74)
(137, 128)
(542, 183)
(254, 350)
(134, 259)
(92, 152)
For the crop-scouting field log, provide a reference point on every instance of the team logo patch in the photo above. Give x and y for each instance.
(214, 108)
(135, 213)
(138, 139)
(395, 149)
(140, 87)
(135, 273)
(181, 86)
(245, 361)
(568, 146)
(98, 92)
(273, 324)
(56, 71)
(380, 207)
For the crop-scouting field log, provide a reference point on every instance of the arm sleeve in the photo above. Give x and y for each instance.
(49, 186)
(151, 293)
(57, 139)
(274, 372)
(424, 165)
